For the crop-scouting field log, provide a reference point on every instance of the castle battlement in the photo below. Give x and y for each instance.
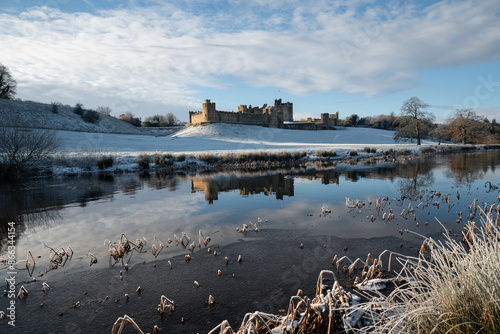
(273, 116)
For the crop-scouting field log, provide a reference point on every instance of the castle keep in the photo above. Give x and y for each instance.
(280, 115)
(272, 116)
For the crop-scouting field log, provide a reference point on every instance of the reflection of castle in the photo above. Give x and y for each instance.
(268, 184)
(280, 115)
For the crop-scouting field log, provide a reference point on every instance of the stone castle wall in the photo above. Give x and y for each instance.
(273, 116)
(280, 115)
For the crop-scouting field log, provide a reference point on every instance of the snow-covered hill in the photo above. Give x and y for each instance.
(222, 138)
(39, 115)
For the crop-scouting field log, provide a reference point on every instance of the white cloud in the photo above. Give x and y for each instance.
(162, 53)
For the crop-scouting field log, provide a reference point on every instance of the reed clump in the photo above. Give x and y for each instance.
(326, 153)
(453, 287)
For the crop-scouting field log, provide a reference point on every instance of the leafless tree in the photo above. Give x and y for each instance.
(7, 84)
(171, 119)
(104, 110)
(416, 122)
(465, 126)
(22, 149)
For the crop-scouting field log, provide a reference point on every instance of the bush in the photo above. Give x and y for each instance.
(90, 116)
(283, 156)
(143, 161)
(404, 151)
(353, 153)
(54, 107)
(158, 160)
(180, 157)
(299, 155)
(326, 154)
(23, 149)
(105, 161)
(206, 157)
(427, 149)
(78, 109)
(370, 150)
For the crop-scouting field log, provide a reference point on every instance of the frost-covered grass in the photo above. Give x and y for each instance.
(453, 287)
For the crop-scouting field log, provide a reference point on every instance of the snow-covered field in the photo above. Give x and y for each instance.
(219, 139)
(223, 138)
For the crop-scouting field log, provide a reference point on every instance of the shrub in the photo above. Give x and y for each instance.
(24, 149)
(404, 151)
(299, 155)
(426, 149)
(78, 109)
(206, 157)
(283, 156)
(353, 153)
(180, 157)
(105, 161)
(326, 154)
(228, 157)
(54, 107)
(143, 161)
(370, 150)
(90, 116)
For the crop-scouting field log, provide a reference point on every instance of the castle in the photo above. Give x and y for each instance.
(280, 115)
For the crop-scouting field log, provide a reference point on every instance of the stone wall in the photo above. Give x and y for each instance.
(264, 116)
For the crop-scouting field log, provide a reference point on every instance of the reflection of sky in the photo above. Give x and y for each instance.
(164, 212)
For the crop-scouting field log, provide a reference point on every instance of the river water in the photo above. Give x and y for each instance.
(289, 207)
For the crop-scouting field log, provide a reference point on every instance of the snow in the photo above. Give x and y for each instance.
(223, 138)
(34, 114)
(111, 136)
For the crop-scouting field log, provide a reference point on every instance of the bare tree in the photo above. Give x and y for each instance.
(465, 126)
(104, 110)
(22, 149)
(171, 119)
(7, 84)
(415, 121)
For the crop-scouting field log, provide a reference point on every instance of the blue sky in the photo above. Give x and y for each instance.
(354, 56)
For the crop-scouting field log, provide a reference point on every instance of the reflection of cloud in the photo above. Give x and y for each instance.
(163, 52)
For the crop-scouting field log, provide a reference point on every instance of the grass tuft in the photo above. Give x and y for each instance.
(453, 287)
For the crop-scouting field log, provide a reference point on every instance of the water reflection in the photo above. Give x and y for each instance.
(467, 168)
(41, 203)
(268, 184)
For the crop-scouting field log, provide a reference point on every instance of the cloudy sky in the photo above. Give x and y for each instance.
(352, 56)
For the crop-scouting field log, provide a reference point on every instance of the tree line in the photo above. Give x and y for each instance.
(415, 123)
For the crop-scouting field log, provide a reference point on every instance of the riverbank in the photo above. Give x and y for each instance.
(170, 163)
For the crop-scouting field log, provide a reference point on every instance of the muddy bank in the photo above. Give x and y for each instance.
(101, 293)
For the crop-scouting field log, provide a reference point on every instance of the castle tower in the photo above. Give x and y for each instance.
(286, 108)
(208, 110)
(325, 118)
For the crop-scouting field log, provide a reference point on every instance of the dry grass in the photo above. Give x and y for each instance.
(326, 153)
(452, 287)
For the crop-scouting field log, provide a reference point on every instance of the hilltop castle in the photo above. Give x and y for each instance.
(280, 115)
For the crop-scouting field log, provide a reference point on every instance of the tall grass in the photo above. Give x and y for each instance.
(453, 287)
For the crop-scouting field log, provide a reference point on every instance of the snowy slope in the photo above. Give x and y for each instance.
(39, 115)
(221, 138)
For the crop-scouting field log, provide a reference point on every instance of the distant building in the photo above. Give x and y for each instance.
(280, 115)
